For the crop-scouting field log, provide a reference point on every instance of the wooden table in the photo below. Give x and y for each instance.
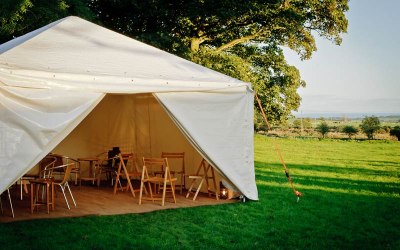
(92, 173)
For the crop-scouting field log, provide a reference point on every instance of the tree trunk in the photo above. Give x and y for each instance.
(196, 41)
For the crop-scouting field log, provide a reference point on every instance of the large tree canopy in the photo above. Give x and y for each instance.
(18, 17)
(243, 39)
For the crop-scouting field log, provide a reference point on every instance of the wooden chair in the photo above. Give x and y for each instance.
(166, 180)
(124, 160)
(204, 167)
(177, 161)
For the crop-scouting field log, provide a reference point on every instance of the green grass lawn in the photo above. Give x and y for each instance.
(350, 201)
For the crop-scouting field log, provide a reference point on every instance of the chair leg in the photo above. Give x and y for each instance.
(173, 191)
(141, 192)
(190, 188)
(20, 183)
(198, 189)
(47, 198)
(70, 193)
(9, 198)
(65, 197)
(164, 192)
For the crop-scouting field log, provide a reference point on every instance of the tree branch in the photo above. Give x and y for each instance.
(196, 41)
(236, 42)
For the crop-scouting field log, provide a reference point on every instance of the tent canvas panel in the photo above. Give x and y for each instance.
(232, 153)
(34, 121)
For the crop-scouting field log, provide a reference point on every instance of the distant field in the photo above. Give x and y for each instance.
(350, 200)
(306, 127)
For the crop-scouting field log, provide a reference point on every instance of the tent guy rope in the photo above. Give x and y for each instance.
(297, 193)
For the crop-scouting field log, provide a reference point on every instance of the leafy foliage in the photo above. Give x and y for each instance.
(350, 130)
(395, 132)
(302, 123)
(18, 17)
(240, 38)
(243, 39)
(323, 128)
(259, 123)
(369, 125)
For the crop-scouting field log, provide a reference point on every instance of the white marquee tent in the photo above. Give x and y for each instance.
(77, 88)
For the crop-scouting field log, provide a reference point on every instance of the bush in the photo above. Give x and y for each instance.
(259, 123)
(369, 125)
(323, 128)
(395, 132)
(350, 130)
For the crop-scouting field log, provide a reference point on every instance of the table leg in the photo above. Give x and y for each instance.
(52, 196)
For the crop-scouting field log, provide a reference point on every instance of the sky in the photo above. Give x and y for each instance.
(362, 75)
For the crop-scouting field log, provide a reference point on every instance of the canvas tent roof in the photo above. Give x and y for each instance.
(53, 77)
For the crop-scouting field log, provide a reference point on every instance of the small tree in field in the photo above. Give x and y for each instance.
(395, 132)
(369, 125)
(323, 128)
(350, 130)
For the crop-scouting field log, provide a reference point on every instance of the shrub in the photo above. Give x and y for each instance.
(350, 130)
(369, 125)
(395, 132)
(323, 128)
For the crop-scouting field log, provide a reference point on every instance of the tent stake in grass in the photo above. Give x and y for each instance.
(297, 193)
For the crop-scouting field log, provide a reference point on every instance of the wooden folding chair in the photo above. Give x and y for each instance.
(178, 159)
(203, 177)
(166, 180)
(123, 160)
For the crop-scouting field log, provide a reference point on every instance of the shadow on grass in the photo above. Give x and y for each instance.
(260, 166)
(273, 176)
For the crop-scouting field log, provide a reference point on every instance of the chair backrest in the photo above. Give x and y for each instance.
(46, 166)
(151, 163)
(176, 160)
(68, 168)
(130, 161)
(61, 160)
(112, 156)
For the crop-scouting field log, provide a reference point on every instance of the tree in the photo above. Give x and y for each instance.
(18, 17)
(242, 39)
(350, 130)
(259, 123)
(369, 125)
(302, 123)
(297, 123)
(323, 128)
(395, 132)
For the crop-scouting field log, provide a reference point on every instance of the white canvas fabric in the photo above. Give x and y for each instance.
(52, 78)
